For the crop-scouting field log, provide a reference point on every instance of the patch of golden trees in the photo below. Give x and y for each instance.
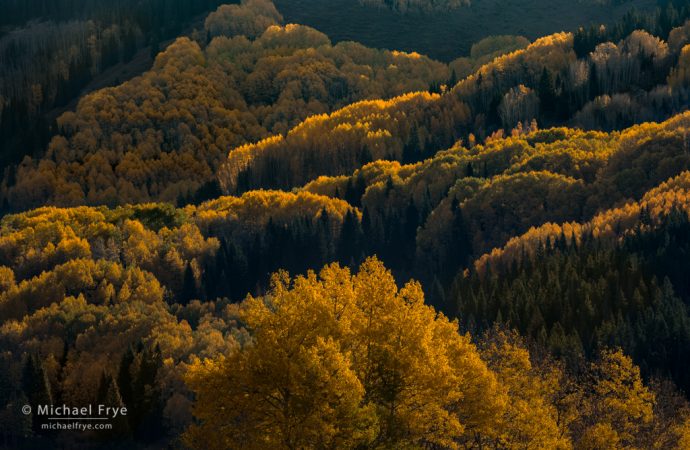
(79, 286)
(611, 224)
(162, 135)
(250, 18)
(341, 142)
(343, 360)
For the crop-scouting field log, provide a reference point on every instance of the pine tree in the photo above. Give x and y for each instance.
(325, 237)
(349, 244)
(148, 410)
(547, 93)
(125, 379)
(189, 288)
(453, 80)
(411, 150)
(459, 251)
(36, 386)
(109, 396)
(409, 233)
(35, 382)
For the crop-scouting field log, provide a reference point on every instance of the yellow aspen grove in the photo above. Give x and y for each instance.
(340, 360)
(279, 225)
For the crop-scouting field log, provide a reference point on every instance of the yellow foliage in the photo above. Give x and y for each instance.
(680, 75)
(254, 209)
(619, 405)
(163, 135)
(611, 224)
(341, 360)
(530, 417)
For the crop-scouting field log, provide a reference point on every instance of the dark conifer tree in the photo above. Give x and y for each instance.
(461, 245)
(36, 386)
(547, 95)
(189, 286)
(35, 382)
(350, 242)
(109, 395)
(125, 379)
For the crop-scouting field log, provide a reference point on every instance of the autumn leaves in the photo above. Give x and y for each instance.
(163, 135)
(342, 360)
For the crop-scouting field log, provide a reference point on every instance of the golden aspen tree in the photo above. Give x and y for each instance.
(341, 360)
(529, 418)
(618, 406)
(293, 387)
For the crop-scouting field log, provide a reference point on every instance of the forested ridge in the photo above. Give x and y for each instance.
(423, 5)
(443, 33)
(51, 51)
(439, 5)
(270, 240)
(161, 136)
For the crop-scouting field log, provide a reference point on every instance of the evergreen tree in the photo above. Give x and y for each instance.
(124, 378)
(36, 386)
(547, 94)
(411, 150)
(349, 244)
(453, 80)
(189, 287)
(459, 251)
(147, 415)
(409, 233)
(109, 396)
(35, 382)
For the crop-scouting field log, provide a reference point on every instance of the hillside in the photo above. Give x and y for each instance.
(449, 33)
(49, 61)
(617, 280)
(160, 259)
(638, 78)
(230, 85)
(277, 238)
(546, 82)
(51, 52)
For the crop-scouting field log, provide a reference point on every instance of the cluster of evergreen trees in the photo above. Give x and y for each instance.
(123, 305)
(669, 14)
(243, 265)
(163, 16)
(577, 297)
(135, 386)
(88, 36)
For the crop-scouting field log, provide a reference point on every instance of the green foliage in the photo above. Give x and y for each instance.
(578, 295)
(157, 216)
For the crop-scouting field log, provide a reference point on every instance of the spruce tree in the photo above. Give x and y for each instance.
(36, 386)
(189, 288)
(109, 396)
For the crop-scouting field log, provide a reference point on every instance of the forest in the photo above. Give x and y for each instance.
(447, 29)
(406, 5)
(51, 51)
(266, 237)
